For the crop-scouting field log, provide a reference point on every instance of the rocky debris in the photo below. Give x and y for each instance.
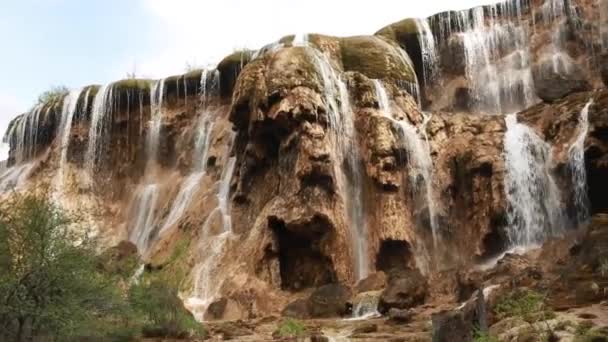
(297, 309)
(404, 291)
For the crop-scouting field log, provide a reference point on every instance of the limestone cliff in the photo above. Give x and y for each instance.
(319, 160)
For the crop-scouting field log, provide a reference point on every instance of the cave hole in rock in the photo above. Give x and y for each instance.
(302, 264)
(394, 256)
(597, 187)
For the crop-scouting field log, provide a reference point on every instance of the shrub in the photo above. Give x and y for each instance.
(290, 328)
(484, 336)
(526, 304)
(50, 287)
(53, 95)
(161, 310)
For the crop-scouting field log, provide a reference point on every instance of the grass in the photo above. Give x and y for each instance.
(484, 336)
(524, 303)
(290, 328)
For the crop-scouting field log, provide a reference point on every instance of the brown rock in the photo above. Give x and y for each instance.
(405, 291)
(604, 68)
(297, 309)
(329, 301)
(374, 282)
(556, 78)
(451, 326)
(400, 315)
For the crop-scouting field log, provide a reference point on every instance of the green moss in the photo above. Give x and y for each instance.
(133, 84)
(376, 58)
(290, 328)
(193, 75)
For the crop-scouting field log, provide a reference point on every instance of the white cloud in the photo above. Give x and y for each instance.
(205, 31)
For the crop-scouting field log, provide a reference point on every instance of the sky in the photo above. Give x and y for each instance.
(74, 43)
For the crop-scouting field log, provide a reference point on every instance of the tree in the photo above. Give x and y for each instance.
(50, 286)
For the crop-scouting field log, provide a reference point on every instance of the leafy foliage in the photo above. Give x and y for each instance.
(524, 303)
(484, 336)
(290, 328)
(53, 95)
(49, 284)
(162, 311)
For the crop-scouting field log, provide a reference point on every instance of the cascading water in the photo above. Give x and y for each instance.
(427, 50)
(143, 212)
(189, 186)
(157, 95)
(496, 86)
(577, 167)
(420, 164)
(342, 126)
(533, 198)
(70, 104)
(144, 222)
(100, 115)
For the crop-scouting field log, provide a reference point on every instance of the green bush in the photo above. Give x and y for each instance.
(161, 310)
(484, 336)
(53, 95)
(50, 286)
(290, 328)
(524, 303)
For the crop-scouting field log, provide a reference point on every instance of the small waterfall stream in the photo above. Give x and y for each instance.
(428, 50)
(577, 167)
(70, 104)
(534, 200)
(100, 116)
(346, 147)
(201, 148)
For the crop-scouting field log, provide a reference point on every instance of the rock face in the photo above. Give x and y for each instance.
(288, 175)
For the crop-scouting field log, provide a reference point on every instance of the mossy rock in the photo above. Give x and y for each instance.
(290, 68)
(188, 84)
(377, 59)
(133, 84)
(230, 67)
(400, 30)
(249, 89)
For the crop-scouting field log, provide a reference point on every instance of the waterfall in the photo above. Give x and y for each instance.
(420, 166)
(14, 177)
(100, 115)
(157, 94)
(382, 97)
(577, 167)
(427, 50)
(223, 194)
(70, 103)
(497, 85)
(23, 133)
(143, 211)
(189, 186)
(533, 198)
(342, 126)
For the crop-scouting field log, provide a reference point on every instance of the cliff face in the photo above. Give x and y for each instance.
(320, 160)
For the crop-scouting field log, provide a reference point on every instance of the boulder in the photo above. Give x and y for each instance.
(556, 76)
(374, 282)
(451, 326)
(224, 309)
(329, 301)
(400, 315)
(297, 309)
(404, 291)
